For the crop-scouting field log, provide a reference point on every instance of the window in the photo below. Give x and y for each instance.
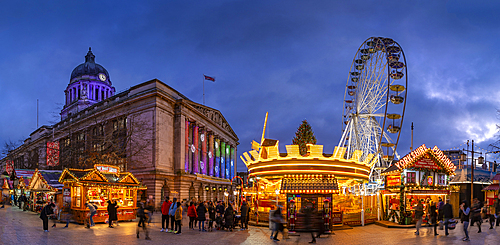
(411, 177)
(441, 179)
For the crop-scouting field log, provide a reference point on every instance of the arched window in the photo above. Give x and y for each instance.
(191, 192)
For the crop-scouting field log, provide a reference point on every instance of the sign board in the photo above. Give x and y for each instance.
(107, 169)
(336, 217)
(426, 162)
(393, 180)
(9, 167)
(67, 196)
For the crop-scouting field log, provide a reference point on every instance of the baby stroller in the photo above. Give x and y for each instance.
(452, 223)
(219, 222)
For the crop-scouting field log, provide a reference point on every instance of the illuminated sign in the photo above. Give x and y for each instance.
(107, 169)
(426, 162)
(430, 180)
(393, 180)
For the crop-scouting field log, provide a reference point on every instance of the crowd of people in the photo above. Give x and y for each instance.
(441, 213)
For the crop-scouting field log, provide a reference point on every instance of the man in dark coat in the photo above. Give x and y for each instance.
(447, 214)
(201, 211)
(44, 215)
(244, 216)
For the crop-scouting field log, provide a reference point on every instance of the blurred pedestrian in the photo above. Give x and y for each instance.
(211, 216)
(419, 212)
(464, 206)
(150, 209)
(476, 213)
(142, 215)
(164, 214)
(497, 210)
(447, 211)
(277, 219)
(92, 211)
(244, 215)
(433, 216)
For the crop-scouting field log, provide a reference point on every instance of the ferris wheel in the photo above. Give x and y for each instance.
(374, 103)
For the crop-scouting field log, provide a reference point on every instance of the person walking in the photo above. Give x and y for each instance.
(201, 211)
(192, 214)
(44, 215)
(464, 207)
(211, 216)
(476, 214)
(419, 212)
(171, 213)
(92, 210)
(178, 219)
(150, 210)
(244, 215)
(165, 206)
(111, 213)
(497, 210)
(447, 211)
(433, 216)
(142, 215)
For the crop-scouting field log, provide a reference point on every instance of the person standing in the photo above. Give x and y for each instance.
(419, 212)
(178, 218)
(111, 213)
(447, 211)
(192, 214)
(164, 214)
(433, 216)
(44, 215)
(171, 213)
(211, 216)
(497, 210)
(244, 215)
(201, 211)
(92, 210)
(464, 207)
(229, 216)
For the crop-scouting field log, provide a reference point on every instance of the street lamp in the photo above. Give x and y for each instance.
(472, 169)
(486, 154)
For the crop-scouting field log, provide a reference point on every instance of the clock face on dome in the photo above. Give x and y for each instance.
(102, 77)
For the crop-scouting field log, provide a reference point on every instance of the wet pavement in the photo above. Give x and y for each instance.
(18, 227)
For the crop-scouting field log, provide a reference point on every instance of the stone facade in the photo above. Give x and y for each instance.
(174, 145)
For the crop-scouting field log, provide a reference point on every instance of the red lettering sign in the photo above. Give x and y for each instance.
(336, 217)
(426, 162)
(393, 180)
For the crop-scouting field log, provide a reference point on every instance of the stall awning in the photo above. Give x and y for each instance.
(309, 184)
(100, 176)
(492, 187)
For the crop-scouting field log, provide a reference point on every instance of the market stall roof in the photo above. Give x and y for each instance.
(492, 187)
(45, 180)
(5, 185)
(425, 158)
(496, 177)
(391, 170)
(98, 175)
(309, 184)
(24, 176)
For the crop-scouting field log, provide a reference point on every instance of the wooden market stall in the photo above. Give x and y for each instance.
(97, 186)
(491, 191)
(423, 174)
(43, 187)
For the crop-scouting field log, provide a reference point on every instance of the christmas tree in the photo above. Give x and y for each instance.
(303, 136)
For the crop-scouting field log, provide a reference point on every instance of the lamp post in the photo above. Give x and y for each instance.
(472, 169)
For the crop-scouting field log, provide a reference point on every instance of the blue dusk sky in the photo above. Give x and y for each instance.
(288, 58)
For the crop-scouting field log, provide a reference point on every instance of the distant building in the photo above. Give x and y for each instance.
(176, 147)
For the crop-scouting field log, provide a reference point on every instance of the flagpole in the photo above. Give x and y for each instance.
(203, 89)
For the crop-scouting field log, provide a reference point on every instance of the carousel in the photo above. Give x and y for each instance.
(423, 175)
(97, 186)
(333, 185)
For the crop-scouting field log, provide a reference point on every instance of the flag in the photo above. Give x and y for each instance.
(209, 78)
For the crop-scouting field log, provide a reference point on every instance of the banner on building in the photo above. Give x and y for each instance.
(9, 167)
(52, 153)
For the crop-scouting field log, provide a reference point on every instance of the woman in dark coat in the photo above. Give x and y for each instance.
(111, 213)
(229, 216)
(201, 211)
(44, 215)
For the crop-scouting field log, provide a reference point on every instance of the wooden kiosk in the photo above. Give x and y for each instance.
(423, 174)
(97, 186)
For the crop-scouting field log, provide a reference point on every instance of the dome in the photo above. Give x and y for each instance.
(89, 68)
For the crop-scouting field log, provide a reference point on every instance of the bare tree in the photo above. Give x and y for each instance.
(9, 146)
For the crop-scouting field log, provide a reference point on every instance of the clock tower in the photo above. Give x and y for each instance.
(88, 85)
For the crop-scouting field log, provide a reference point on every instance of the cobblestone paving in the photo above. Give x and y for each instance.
(18, 227)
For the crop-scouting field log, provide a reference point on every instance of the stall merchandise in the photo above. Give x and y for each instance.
(43, 188)
(423, 175)
(96, 186)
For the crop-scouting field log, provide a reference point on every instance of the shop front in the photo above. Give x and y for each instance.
(422, 175)
(44, 187)
(491, 191)
(97, 186)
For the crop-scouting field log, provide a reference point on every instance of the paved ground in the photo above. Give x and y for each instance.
(19, 227)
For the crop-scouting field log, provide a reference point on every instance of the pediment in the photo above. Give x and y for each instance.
(129, 179)
(94, 175)
(214, 116)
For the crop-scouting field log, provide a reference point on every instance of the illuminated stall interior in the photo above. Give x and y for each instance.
(43, 186)
(267, 169)
(97, 186)
(423, 174)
